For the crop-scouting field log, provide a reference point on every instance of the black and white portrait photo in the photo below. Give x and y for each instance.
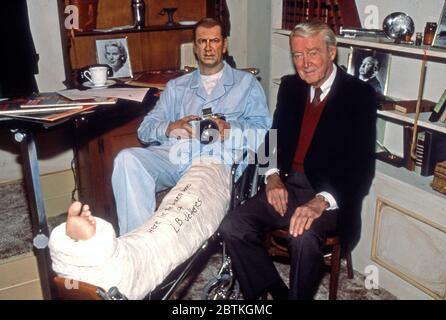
(115, 53)
(370, 66)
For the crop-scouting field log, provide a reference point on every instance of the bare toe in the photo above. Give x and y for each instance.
(74, 208)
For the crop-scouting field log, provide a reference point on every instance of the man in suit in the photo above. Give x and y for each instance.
(368, 72)
(325, 155)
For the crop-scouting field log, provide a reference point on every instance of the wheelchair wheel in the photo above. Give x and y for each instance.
(223, 287)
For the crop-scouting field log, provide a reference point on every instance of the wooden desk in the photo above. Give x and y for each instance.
(105, 124)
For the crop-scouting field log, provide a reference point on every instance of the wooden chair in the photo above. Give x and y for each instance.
(67, 289)
(275, 244)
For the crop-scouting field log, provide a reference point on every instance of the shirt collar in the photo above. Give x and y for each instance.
(326, 86)
(227, 77)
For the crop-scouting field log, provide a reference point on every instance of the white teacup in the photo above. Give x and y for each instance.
(97, 75)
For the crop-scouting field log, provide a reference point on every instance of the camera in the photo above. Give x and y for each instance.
(206, 124)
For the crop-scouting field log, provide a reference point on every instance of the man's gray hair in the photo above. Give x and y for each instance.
(312, 28)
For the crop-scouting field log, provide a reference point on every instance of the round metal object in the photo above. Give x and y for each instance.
(398, 24)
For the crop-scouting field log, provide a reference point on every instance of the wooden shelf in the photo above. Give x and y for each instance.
(383, 44)
(134, 30)
(423, 120)
(409, 177)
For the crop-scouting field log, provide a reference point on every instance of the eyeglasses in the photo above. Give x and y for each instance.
(203, 42)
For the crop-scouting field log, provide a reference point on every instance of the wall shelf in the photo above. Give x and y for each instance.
(133, 30)
(409, 177)
(423, 120)
(383, 44)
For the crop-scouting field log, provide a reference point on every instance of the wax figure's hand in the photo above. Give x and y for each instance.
(304, 215)
(222, 126)
(276, 194)
(181, 128)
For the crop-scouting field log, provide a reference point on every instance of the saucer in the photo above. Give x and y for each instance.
(108, 83)
(187, 23)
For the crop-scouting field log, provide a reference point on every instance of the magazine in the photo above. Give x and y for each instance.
(155, 79)
(14, 108)
(56, 100)
(51, 116)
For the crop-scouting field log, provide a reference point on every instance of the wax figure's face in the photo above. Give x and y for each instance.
(368, 67)
(112, 55)
(210, 47)
(312, 58)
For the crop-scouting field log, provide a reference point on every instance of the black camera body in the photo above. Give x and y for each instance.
(207, 124)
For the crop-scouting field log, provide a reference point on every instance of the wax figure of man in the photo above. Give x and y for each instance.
(325, 155)
(141, 172)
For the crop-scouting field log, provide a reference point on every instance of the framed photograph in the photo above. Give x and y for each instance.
(115, 53)
(371, 66)
(440, 34)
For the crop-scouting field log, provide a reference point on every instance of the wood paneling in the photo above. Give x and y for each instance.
(147, 50)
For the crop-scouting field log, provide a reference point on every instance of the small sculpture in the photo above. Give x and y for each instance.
(170, 12)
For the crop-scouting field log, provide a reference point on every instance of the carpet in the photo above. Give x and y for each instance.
(349, 289)
(15, 222)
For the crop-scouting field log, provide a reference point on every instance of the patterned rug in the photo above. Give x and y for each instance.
(349, 289)
(15, 223)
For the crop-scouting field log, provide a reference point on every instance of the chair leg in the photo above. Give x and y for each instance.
(348, 257)
(334, 273)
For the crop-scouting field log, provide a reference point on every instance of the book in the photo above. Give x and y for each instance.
(14, 108)
(439, 108)
(58, 100)
(409, 106)
(434, 151)
(51, 116)
(155, 79)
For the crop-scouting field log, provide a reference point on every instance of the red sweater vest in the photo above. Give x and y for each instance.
(309, 124)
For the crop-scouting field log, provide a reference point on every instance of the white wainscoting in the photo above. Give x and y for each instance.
(404, 234)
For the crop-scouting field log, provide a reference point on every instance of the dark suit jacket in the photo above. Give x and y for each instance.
(340, 158)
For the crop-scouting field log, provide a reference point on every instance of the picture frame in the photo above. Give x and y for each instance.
(371, 66)
(440, 34)
(115, 53)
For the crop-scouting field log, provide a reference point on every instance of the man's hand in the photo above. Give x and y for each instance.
(304, 215)
(222, 126)
(276, 193)
(181, 129)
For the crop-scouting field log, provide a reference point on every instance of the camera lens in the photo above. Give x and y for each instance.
(208, 131)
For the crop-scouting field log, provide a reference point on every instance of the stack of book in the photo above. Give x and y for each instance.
(49, 107)
(335, 13)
